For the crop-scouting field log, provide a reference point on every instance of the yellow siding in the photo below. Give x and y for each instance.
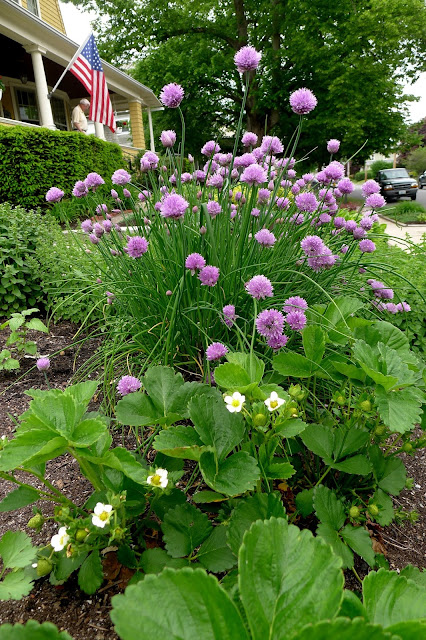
(51, 13)
(136, 120)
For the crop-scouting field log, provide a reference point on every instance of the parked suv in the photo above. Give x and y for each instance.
(396, 184)
(422, 180)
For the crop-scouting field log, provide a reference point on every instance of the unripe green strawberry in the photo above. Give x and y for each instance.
(341, 400)
(373, 509)
(294, 390)
(36, 522)
(44, 567)
(407, 446)
(354, 512)
(81, 535)
(365, 405)
(259, 420)
(380, 430)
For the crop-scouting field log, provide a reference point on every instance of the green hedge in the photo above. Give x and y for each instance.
(34, 159)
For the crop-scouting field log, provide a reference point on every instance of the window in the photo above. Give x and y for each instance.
(27, 106)
(32, 6)
(59, 114)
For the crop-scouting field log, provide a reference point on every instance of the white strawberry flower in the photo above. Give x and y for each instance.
(60, 540)
(102, 515)
(234, 403)
(159, 478)
(274, 402)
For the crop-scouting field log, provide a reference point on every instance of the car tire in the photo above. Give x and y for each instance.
(414, 196)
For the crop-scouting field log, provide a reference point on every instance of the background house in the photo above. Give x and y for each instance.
(34, 51)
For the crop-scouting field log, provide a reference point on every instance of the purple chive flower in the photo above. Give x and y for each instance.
(345, 186)
(339, 222)
(335, 170)
(282, 203)
(277, 342)
(392, 307)
(263, 196)
(173, 206)
(296, 319)
(185, 177)
(128, 384)
(249, 139)
(216, 180)
(385, 294)
(302, 101)
(403, 306)
(199, 175)
(213, 208)
(94, 239)
(255, 212)
(265, 237)
(210, 148)
(324, 218)
(312, 245)
(344, 248)
(350, 225)
(270, 145)
(172, 95)
(208, 276)
(259, 287)
(375, 201)
(366, 223)
(126, 193)
(121, 177)
(168, 138)
(93, 181)
(149, 161)
(114, 194)
(216, 351)
(245, 160)
(324, 261)
(194, 262)
(54, 194)
(295, 302)
(136, 246)
(306, 202)
(247, 59)
(107, 226)
(98, 230)
(80, 190)
(295, 189)
(101, 208)
(254, 174)
(43, 364)
(333, 145)
(144, 195)
(297, 218)
(87, 226)
(370, 187)
(359, 233)
(270, 322)
(229, 315)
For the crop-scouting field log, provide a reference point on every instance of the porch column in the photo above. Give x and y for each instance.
(151, 131)
(46, 116)
(135, 109)
(99, 130)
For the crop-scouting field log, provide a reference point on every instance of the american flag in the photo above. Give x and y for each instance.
(87, 67)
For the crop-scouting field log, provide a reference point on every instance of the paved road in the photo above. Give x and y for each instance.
(421, 195)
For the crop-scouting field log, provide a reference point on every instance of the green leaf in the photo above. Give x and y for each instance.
(206, 497)
(184, 394)
(288, 578)
(214, 553)
(82, 393)
(290, 428)
(390, 473)
(356, 465)
(32, 447)
(18, 498)
(384, 332)
(342, 629)
(190, 594)
(184, 528)
(349, 370)
(347, 441)
(331, 537)
(260, 506)
(384, 502)
(122, 460)
(179, 442)
(232, 377)
(235, 475)
(32, 630)
(412, 630)
(359, 540)
(162, 384)
(37, 325)
(305, 502)
(155, 560)
(278, 470)
(10, 364)
(253, 365)
(137, 410)
(339, 310)
(16, 550)
(373, 365)
(414, 573)
(14, 323)
(294, 365)
(313, 339)
(91, 575)
(65, 566)
(390, 598)
(87, 432)
(351, 606)
(215, 425)
(15, 585)
(320, 440)
(400, 410)
(328, 508)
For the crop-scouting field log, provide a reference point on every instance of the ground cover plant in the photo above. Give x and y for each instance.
(269, 391)
(406, 212)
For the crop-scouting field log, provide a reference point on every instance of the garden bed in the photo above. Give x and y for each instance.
(87, 617)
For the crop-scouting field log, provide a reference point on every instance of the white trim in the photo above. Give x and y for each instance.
(18, 122)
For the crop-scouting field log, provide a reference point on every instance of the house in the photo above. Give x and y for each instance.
(34, 51)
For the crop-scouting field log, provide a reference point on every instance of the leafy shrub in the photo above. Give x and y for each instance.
(360, 176)
(379, 165)
(21, 232)
(407, 206)
(31, 160)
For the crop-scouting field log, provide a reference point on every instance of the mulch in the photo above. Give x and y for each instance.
(87, 617)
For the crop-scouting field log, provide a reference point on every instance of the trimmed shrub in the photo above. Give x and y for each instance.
(32, 160)
(360, 176)
(379, 165)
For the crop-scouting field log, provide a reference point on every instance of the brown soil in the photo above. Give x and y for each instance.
(87, 617)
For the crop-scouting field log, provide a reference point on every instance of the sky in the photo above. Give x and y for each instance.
(77, 25)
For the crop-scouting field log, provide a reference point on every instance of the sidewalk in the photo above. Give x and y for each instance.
(415, 232)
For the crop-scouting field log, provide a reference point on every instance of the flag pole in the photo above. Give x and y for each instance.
(75, 56)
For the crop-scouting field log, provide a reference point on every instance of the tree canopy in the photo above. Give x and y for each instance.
(355, 56)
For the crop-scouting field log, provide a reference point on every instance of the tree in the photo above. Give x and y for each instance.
(354, 56)
(416, 161)
(414, 136)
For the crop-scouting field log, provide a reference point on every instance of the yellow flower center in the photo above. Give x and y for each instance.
(104, 515)
(274, 404)
(235, 403)
(156, 480)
